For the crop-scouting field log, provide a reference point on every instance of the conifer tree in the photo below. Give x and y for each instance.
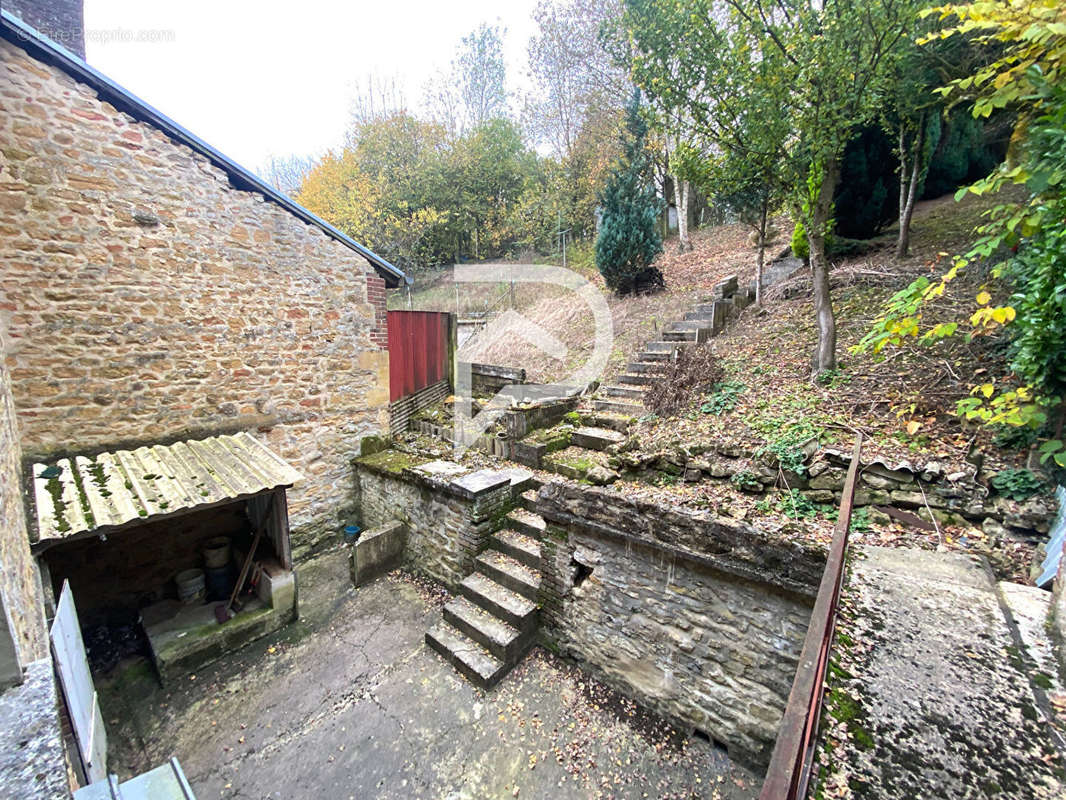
(629, 237)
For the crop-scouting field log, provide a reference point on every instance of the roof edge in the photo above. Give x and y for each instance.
(15, 31)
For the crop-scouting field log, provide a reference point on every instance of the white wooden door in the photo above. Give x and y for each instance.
(69, 651)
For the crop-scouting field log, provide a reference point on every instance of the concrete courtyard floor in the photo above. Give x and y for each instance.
(348, 702)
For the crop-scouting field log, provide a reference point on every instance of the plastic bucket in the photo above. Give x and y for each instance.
(190, 586)
(219, 582)
(216, 552)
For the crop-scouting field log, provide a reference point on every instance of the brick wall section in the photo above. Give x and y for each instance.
(375, 292)
(150, 301)
(19, 578)
(701, 620)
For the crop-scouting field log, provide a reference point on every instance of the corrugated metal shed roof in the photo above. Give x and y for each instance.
(83, 495)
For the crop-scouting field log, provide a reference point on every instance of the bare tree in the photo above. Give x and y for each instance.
(374, 98)
(286, 173)
(441, 102)
(480, 73)
(575, 74)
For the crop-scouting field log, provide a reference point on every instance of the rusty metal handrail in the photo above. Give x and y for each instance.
(790, 765)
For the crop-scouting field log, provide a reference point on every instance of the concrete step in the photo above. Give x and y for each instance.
(629, 392)
(651, 368)
(528, 500)
(510, 573)
(699, 316)
(666, 347)
(648, 355)
(596, 438)
(489, 631)
(473, 661)
(636, 379)
(604, 419)
(527, 522)
(519, 546)
(617, 407)
(682, 336)
(689, 325)
(511, 607)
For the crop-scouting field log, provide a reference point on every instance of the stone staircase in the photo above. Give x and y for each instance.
(491, 625)
(698, 325)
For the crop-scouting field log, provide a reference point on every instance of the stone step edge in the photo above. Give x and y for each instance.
(513, 608)
(472, 661)
(495, 635)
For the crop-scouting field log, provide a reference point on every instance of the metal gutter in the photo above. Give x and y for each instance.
(44, 49)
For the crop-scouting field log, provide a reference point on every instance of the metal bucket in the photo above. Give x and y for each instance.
(191, 587)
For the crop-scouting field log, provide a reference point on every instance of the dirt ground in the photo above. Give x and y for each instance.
(348, 702)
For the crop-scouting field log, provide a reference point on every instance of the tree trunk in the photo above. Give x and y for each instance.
(681, 201)
(825, 356)
(906, 206)
(760, 258)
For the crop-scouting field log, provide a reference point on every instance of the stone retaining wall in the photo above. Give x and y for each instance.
(700, 619)
(487, 379)
(149, 300)
(449, 515)
(925, 489)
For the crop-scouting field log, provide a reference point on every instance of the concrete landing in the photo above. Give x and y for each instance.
(347, 703)
(928, 695)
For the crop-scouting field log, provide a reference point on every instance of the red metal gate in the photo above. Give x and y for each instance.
(418, 350)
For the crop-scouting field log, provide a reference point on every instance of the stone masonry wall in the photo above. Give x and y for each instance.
(149, 300)
(20, 581)
(448, 521)
(701, 621)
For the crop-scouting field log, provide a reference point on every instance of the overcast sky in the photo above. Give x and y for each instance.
(256, 78)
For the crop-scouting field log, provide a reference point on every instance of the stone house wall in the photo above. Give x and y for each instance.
(20, 582)
(149, 300)
(699, 620)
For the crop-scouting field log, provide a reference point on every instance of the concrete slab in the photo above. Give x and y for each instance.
(1030, 608)
(32, 764)
(184, 638)
(347, 702)
(927, 696)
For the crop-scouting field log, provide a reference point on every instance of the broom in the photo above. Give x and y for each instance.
(224, 613)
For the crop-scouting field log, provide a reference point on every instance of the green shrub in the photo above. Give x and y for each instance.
(800, 248)
(796, 506)
(1017, 484)
(746, 481)
(786, 449)
(1010, 437)
(860, 520)
(723, 397)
